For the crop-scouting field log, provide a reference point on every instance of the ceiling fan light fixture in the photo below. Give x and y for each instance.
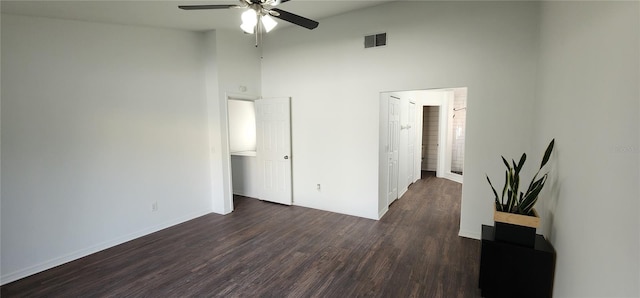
(268, 22)
(247, 29)
(249, 21)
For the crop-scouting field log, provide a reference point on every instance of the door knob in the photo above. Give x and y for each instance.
(286, 157)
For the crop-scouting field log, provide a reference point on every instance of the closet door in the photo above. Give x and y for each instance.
(273, 121)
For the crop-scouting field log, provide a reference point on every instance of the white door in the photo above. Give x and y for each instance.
(412, 143)
(393, 151)
(273, 121)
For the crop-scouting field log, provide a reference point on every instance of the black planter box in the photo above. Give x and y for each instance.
(514, 271)
(515, 234)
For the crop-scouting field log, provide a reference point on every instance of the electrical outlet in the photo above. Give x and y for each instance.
(318, 187)
(154, 206)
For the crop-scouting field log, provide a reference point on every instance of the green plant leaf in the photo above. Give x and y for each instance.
(523, 158)
(498, 204)
(515, 183)
(506, 163)
(520, 199)
(510, 201)
(531, 184)
(547, 153)
(492, 188)
(532, 197)
(504, 189)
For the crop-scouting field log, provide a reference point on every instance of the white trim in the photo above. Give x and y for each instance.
(453, 177)
(227, 181)
(245, 97)
(470, 234)
(241, 193)
(383, 171)
(383, 212)
(13, 276)
(244, 153)
(401, 192)
(448, 132)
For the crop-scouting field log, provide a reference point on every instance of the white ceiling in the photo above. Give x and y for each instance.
(165, 14)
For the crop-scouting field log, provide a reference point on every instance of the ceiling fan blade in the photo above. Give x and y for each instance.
(273, 3)
(198, 7)
(295, 19)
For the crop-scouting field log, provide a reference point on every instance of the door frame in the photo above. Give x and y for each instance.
(445, 124)
(412, 136)
(227, 180)
(443, 106)
(447, 173)
(397, 139)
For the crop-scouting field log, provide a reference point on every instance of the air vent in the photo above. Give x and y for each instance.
(376, 40)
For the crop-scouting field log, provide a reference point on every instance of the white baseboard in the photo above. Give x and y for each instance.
(454, 177)
(470, 234)
(402, 192)
(13, 276)
(383, 212)
(245, 194)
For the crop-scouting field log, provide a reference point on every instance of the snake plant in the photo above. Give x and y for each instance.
(513, 201)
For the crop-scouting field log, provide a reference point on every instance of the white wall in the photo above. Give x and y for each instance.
(335, 83)
(216, 103)
(242, 125)
(589, 100)
(245, 176)
(98, 122)
(235, 72)
(101, 121)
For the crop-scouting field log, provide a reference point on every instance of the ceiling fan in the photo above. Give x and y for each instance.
(259, 14)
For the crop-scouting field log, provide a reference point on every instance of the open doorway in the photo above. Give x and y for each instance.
(429, 147)
(259, 138)
(242, 146)
(406, 147)
(442, 132)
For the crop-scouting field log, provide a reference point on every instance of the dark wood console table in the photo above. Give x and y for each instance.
(509, 270)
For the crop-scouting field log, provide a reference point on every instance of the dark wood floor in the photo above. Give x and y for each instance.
(269, 250)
